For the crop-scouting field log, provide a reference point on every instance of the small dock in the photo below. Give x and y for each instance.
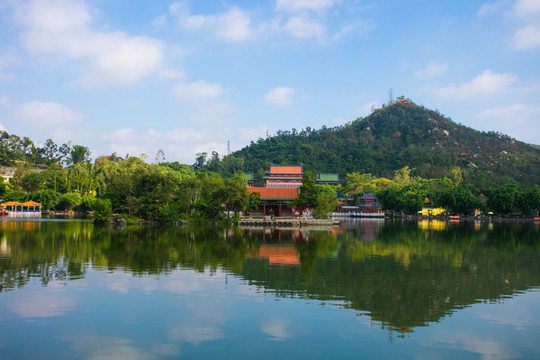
(288, 222)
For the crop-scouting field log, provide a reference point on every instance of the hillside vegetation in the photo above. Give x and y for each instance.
(398, 135)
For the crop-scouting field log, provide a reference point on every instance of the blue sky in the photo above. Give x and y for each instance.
(191, 76)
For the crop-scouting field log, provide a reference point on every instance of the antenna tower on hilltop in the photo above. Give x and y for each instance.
(228, 147)
(390, 96)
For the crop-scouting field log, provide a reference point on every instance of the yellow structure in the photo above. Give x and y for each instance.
(432, 211)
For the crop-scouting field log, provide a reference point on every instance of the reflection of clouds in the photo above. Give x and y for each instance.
(277, 329)
(123, 282)
(45, 305)
(488, 350)
(166, 349)
(522, 323)
(95, 347)
(195, 333)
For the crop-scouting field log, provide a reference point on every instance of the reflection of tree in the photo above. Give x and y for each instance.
(63, 250)
(410, 277)
(406, 277)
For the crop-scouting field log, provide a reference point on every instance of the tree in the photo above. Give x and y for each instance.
(32, 182)
(102, 210)
(46, 197)
(236, 195)
(502, 200)
(356, 183)
(307, 193)
(69, 201)
(79, 154)
(326, 202)
(412, 202)
(458, 200)
(528, 202)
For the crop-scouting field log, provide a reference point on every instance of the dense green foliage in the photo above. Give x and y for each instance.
(132, 188)
(389, 139)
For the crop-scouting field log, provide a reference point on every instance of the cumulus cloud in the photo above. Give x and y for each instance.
(233, 25)
(514, 112)
(432, 69)
(484, 84)
(302, 5)
(62, 27)
(526, 8)
(47, 114)
(280, 96)
(527, 37)
(517, 120)
(303, 27)
(198, 90)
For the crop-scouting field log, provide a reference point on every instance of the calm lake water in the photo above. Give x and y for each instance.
(369, 289)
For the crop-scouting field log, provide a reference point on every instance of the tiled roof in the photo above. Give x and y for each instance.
(286, 169)
(275, 193)
(329, 177)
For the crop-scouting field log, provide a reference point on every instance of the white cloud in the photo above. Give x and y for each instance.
(517, 120)
(303, 27)
(513, 112)
(61, 27)
(526, 8)
(280, 96)
(527, 37)
(302, 5)
(233, 25)
(484, 84)
(432, 69)
(4, 101)
(47, 114)
(492, 7)
(198, 90)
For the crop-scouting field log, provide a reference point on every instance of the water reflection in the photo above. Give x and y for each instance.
(403, 275)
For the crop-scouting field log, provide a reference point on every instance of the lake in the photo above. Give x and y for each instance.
(367, 289)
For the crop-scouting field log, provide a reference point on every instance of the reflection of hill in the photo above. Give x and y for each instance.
(407, 276)
(410, 277)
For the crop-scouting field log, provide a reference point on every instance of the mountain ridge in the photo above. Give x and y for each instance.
(396, 135)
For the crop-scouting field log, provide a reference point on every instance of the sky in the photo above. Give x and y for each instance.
(198, 76)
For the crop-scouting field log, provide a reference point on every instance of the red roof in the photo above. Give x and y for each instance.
(275, 193)
(286, 169)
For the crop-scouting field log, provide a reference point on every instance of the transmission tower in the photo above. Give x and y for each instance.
(390, 96)
(228, 147)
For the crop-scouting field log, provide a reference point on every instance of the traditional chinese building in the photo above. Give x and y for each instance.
(369, 204)
(284, 176)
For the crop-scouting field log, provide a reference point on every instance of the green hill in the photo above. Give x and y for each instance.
(402, 134)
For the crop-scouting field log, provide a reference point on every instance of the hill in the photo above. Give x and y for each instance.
(398, 135)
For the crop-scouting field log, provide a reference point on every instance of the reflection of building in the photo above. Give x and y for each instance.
(278, 255)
